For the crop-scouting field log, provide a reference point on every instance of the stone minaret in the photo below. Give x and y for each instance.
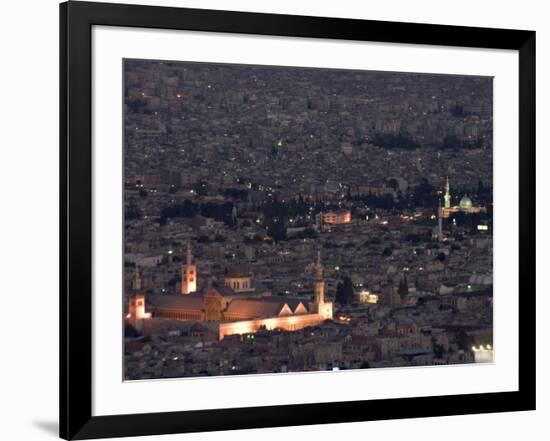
(447, 197)
(439, 223)
(189, 273)
(319, 284)
(136, 307)
(136, 283)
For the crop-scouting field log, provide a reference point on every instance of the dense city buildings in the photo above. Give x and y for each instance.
(282, 219)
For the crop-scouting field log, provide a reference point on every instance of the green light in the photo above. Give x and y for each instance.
(280, 143)
(337, 268)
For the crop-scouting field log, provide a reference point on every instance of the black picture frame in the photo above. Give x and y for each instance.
(76, 21)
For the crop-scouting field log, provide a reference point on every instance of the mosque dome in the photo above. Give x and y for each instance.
(239, 279)
(465, 203)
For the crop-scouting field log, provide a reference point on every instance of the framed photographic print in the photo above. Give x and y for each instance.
(274, 220)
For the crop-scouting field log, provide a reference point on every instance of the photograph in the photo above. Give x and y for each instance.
(275, 221)
(284, 219)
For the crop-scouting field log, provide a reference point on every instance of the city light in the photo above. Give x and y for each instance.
(287, 220)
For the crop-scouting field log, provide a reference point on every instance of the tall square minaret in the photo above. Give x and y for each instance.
(189, 274)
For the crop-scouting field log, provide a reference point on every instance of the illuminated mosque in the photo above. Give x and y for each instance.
(239, 306)
(464, 206)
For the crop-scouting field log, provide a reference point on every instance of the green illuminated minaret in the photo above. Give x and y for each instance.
(275, 148)
(447, 197)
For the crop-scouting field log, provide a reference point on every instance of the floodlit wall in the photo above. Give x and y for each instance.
(290, 323)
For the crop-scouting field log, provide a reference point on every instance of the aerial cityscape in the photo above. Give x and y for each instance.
(287, 219)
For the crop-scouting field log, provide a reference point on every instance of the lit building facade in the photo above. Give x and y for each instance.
(483, 354)
(236, 307)
(366, 297)
(337, 217)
